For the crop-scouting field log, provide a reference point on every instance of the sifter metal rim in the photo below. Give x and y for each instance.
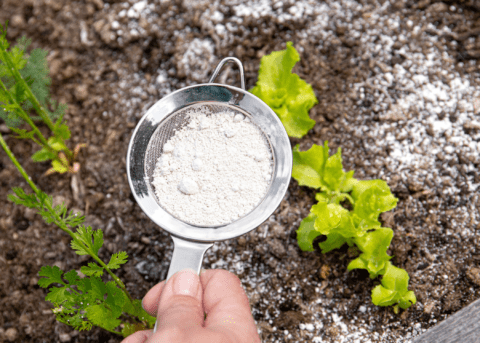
(218, 94)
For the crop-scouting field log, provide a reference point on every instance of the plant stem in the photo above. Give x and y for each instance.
(58, 221)
(339, 197)
(112, 331)
(18, 165)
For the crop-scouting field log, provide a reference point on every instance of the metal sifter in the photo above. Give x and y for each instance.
(161, 122)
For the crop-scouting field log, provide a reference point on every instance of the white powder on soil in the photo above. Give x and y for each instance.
(411, 73)
(214, 170)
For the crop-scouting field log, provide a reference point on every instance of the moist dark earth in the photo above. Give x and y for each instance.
(110, 61)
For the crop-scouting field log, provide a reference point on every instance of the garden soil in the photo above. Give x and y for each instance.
(399, 90)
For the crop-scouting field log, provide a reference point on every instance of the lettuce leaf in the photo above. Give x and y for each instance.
(374, 257)
(286, 93)
(347, 211)
(371, 197)
(394, 289)
(306, 233)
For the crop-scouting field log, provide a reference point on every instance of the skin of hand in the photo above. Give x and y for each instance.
(210, 308)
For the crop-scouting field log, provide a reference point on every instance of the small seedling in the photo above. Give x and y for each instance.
(82, 302)
(359, 226)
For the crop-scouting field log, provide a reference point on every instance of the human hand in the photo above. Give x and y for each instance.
(210, 308)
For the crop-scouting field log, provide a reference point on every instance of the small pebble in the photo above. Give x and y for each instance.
(204, 124)
(11, 334)
(309, 327)
(179, 151)
(64, 337)
(259, 158)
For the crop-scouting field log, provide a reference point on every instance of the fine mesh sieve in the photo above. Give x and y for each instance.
(160, 123)
(175, 122)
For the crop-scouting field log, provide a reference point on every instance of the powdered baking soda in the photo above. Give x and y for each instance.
(214, 170)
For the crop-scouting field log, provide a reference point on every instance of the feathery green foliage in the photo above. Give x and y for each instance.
(82, 302)
(33, 68)
(25, 98)
(86, 302)
(360, 226)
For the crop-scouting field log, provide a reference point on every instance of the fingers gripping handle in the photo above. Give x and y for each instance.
(186, 255)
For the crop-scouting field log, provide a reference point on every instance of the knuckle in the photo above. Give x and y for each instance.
(227, 277)
(173, 333)
(178, 308)
(181, 302)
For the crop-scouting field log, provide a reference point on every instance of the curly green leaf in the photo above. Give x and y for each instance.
(306, 233)
(286, 93)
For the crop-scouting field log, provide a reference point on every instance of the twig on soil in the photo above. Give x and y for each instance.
(78, 190)
(120, 223)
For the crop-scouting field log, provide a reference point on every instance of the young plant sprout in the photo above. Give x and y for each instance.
(315, 168)
(78, 302)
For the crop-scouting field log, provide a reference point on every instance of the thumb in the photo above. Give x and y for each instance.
(227, 306)
(180, 308)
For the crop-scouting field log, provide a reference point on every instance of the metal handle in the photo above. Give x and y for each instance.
(186, 254)
(220, 65)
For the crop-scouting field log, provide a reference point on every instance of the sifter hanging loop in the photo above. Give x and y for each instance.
(220, 66)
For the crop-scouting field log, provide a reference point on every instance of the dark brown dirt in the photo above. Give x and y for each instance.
(108, 83)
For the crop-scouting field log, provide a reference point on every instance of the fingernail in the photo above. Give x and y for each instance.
(186, 282)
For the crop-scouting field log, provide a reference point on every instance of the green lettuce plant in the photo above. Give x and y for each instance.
(286, 93)
(358, 226)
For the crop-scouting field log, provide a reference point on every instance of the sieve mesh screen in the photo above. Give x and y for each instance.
(175, 122)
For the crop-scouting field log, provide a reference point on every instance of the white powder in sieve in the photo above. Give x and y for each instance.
(214, 170)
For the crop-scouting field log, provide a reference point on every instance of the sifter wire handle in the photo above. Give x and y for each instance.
(186, 255)
(220, 65)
